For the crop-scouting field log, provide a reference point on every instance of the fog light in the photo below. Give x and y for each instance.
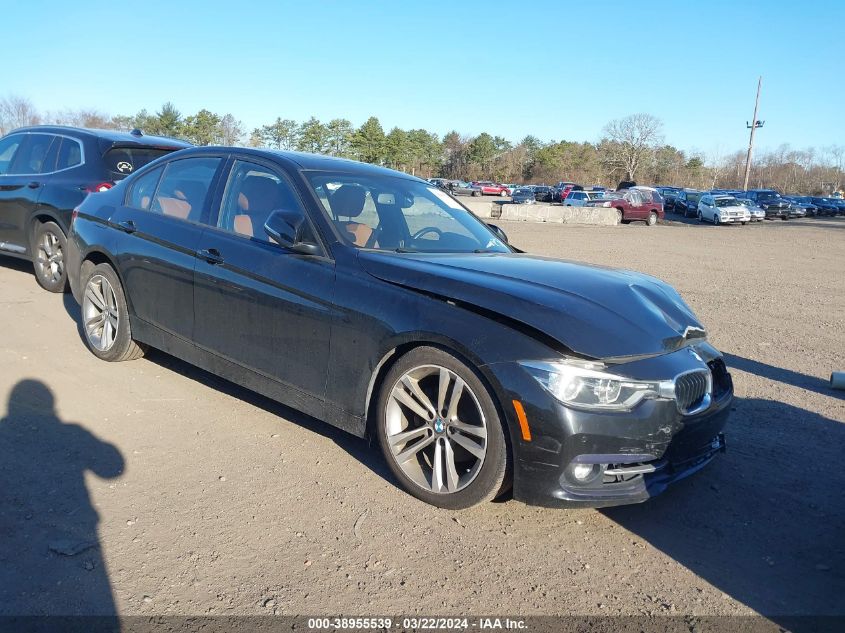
(582, 472)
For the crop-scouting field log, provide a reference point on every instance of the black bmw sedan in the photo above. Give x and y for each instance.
(376, 302)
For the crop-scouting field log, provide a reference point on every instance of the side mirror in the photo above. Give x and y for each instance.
(499, 233)
(286, 228)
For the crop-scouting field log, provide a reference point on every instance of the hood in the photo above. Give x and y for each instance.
(590, 310)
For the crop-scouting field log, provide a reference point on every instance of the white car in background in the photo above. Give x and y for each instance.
(722, 209)
(758, 214)
(581, 198)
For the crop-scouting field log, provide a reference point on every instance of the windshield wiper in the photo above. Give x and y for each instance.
(402, 249)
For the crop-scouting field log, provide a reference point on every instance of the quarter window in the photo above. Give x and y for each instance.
(142, 191)
(184, 188)
(8, 147)
(252, 193)
(70, 154)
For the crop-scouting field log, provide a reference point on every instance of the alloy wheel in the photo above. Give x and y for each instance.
(99, 313)
(436, 429)
(49, 258)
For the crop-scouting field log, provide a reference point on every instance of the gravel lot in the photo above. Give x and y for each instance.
(154, 488)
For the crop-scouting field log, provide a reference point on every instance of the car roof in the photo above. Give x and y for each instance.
(113, 136)
(306, 161)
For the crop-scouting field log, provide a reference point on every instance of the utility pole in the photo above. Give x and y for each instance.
(754, 125)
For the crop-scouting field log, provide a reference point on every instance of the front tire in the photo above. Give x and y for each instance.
(440, 431)
(105, 317)
(49, 245)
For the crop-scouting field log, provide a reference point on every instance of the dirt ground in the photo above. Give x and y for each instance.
(150, 487)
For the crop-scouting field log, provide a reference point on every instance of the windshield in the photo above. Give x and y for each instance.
(765, 195)
(399, 214)
(694, 196)
(726, 202)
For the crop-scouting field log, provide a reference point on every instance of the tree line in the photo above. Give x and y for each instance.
(630, 148)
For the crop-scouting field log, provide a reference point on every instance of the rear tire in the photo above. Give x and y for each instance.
(48, 249)
(443, 471)
(652, 218)
(105, 317)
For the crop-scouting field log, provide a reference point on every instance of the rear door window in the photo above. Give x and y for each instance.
(143, 190)
(184, 188)
(32, 155)
(122, 161)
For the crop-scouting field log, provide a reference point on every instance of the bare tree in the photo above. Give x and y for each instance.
(630, 141)
(231, 130)
(17, 112)
(80, 118)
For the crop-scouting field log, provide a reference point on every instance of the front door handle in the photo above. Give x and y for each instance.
(34, 184)
(127, 226)
(211, 255)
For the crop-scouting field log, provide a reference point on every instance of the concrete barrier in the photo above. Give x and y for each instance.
(480, 207)
(561, 214)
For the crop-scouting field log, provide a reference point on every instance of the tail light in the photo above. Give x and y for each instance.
(103, 186)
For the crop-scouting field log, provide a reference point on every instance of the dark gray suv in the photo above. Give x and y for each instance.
(47, 171)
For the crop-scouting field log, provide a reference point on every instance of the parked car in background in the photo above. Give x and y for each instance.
(755, 213)
(669, 194)
(367, 298)
(722, 209)
(490, 188)
(443, 183)
(523, 195)
(580, 198)
(839, 203)
(770, 201)
(46, 171)
(633, 204)
(542, 193)
(825, 206)
(461, 188)
(686, 202)
(562, 189)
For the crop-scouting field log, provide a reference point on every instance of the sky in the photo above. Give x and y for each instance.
(554, 69)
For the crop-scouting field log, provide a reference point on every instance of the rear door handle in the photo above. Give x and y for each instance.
(127, 226)
(211, 255)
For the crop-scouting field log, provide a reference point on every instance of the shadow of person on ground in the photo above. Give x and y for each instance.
(763, 523)
(50, 557)
(787, 376)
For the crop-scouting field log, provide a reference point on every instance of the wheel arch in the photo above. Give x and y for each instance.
(42, 216)
(400, 349)
(95, 257)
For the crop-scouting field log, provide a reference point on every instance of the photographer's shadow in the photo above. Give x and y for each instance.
(50, 556)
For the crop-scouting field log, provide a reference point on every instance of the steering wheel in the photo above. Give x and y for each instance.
(427, 229)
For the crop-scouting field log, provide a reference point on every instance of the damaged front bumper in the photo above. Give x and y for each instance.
(576, 458)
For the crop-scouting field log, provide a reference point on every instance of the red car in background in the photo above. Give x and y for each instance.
(633, 204)
(490, 188)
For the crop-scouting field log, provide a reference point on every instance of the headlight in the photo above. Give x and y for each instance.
(585, 385)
